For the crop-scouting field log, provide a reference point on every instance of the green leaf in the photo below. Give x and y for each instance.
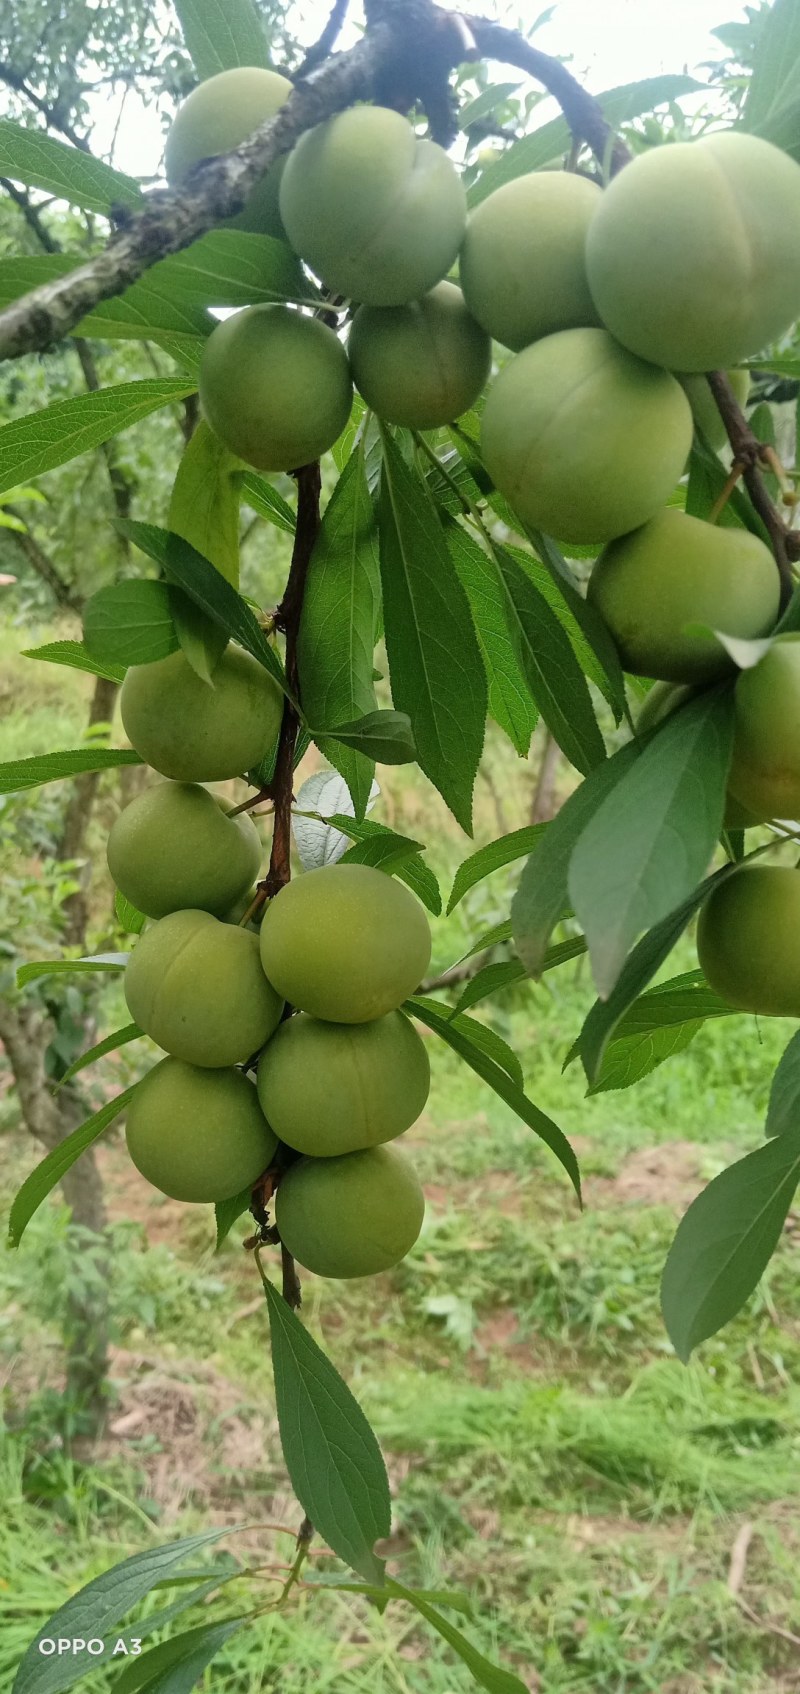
(707, 480)
(511, 703)
(204, 510)
(19, 774)
(203, 583)
(555, 678)
(98, 1607)
(506, 973)
(41, 440)
(43, 1178)
(412, 870)
(130, 622)
(175, 1666)
(39, 161)
(771, 106)
(339, 623)
(516, 845)
(262, 498)
(226, 1213)
(385, 735)
(658, 1025)
(553, 140)
(75, 655)
(334, 1462)
(650, 841)
(725, 1241)
(590, 640)
(541, 896)
(435, 662)
(109, 1044)
(487, 1675)
(783, 1112)
(128, 917)
(489, 1042)
(452, 1031)
(384, 852)
(65, 967)
(221, 34)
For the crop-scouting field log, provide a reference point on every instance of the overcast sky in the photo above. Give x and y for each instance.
(608, 41)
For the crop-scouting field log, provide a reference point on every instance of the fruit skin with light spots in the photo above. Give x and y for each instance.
(218, 116)
(194, 731)
(651, 586)
(198, 1135)
(522, 266)
(747, 940)
(705, 411)
(332, 1088)
(275, 387)
(377, 214)
(583, 439)
(765, 771)
(174, 846)
(351, 1216)
(422, 364)
(345, 943)
(196, 987)
(693, 254)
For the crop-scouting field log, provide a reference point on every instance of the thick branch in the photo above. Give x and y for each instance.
(171, 219)
(748, 452)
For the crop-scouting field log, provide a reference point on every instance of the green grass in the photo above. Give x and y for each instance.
(547, 1452)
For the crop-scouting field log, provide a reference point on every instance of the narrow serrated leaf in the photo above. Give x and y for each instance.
(43, 1179)
(75, 655)
(109, 1044)
(516, 845)
(221, 34)
(130, 622)
(42, 440)
(29, 156)
(19, 774)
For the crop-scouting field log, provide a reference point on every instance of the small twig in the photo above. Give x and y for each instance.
(762, 1623)
(738, 1561)
(734, 477)
(749, 452)
(304, 1535)
(326, 42)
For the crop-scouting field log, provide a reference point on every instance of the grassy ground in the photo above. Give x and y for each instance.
(625, 1525)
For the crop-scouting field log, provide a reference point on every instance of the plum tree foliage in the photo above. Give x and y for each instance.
(534, 456)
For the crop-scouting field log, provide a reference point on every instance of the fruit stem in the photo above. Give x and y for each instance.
(751, 454)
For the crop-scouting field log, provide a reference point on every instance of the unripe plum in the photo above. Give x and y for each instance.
(331, 1088)
(522, 266)
(765, 771)
(705, 411)
(275, 386)
(422, 364)
(377, 214)
(174, 846)
(583, 439)
(677, 571)
(196, 731)
(346, 943)
(196, 987)
(354, 1215)
(198, 1135)
(219, 115)
(747, 940)
(693, 254)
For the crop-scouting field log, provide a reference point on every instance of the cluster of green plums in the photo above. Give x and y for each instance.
(311, 1002)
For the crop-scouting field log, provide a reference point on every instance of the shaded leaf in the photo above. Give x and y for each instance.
(41, 440)
(487, 1675)
(227, 1212)
(554, 676)
(385, 735)
(725, 1241)
(204, 510)
(39, 161)
(19, 774)
(262, 498)
(43, 1179)
(412, 869)
(506, 973)
(130, 622)
(590, 639)
(384, 851)
(511, 703)
(334, 1462)
(77, 657)
(176, 1665)
(650, 840)
(771, 106)
(435, 662)
(783, 1111)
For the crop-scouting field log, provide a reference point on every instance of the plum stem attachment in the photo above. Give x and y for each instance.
(736, 471)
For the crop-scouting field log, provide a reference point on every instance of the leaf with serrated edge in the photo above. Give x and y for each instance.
(19, 774)
(43, 1178)
(555, 678)
(42, 440)
(724, 1242)
(386, 734)
(511, 703)
(176, 1666)
(516, 845)
(650, 841)
(334, 1462)
(40, 161)
(77, 657)
(435, 1016)
(221, 34)
(130, 622)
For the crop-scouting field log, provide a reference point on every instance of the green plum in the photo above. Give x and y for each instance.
(422, 364)
(765, 772)
(650, 587)
(275, 386)
(522, 266)
(198, 1135)
(693, 254)
(705, 411)
(196, 731)
(174, 846)
(346, 943)
(331, 1088)
(584, 440)
(219, 115)
(377, 214)
(747, 940)
(354, 1215)
(196, 987)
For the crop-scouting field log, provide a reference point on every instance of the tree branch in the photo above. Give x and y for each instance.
(749, 453)
(13, 79)
(287, 618)
(41, 563)
(327, 41)
(171, 219)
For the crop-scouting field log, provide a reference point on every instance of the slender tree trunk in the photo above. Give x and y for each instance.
(544, 804)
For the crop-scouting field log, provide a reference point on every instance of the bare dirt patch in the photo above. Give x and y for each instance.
(667, 1175)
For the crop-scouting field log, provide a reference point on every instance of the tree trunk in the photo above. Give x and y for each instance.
(544, 804)
(77, 818)
(25, 1034)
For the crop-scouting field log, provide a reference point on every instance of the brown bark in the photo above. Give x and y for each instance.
(544, 804)
(78, 817)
